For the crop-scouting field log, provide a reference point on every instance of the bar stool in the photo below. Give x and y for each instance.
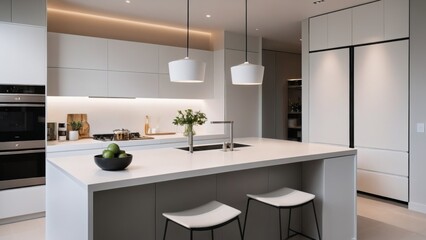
(284, 198)
(206, 217)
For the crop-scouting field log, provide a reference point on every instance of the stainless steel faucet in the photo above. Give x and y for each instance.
(231, 133)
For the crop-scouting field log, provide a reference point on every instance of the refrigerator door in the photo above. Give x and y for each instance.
(381, 96)
(329, 97)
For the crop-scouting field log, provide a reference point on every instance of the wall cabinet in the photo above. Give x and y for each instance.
(77, 82)
(397, 19)
(71, 51)
(132, 56)
(23, 11)
(318, 33)
(339, 30)
(23, 54)
(121, 84)
(114, 68)
(369, 23)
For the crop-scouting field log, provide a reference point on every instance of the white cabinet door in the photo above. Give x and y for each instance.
(73, 51)
(368, 23)
(340, 28)
(76, 82)
(384, 161)
(381, 96)
(132, 56)
(6, 10)
(29, 12)
(131, 84)
(329, 97)
(397, 19)
(318, 33)
(23, 54)
(386, 185)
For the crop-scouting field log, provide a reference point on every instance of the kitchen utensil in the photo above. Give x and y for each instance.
(121, 134)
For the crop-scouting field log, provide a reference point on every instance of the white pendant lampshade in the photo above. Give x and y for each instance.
(187, 70)
(247, 74)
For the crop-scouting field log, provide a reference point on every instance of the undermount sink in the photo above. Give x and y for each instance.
(212, 147)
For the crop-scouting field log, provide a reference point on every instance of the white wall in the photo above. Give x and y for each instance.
(417, 108)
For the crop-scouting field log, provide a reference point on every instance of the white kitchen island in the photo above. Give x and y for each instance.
(86, 203)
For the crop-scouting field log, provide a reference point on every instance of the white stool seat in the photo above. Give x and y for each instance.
(284, 197)
(205, 216)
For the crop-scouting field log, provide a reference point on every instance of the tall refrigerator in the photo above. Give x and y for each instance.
(358, 97)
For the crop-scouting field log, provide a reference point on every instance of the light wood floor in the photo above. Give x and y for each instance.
(377, 220)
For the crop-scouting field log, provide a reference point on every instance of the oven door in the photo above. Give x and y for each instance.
(22, 168)
(21, 122)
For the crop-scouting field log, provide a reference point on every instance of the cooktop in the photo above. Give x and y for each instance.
(110, 137)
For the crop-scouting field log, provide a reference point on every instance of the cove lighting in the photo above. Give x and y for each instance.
(153, 25)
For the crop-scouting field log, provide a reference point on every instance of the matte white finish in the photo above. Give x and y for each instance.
(384, 161)
(149, 165)
(23, 54)
(132, 56)
(318, 38)
(397, 19)
(339, 28)
(132, 84)
(76, 82)
(305, 81)
(283, 197)
(386, 185)
(368, 23)
(6, 10)
(381, 96)
(247, 74)
(329, 97)
(22, 201)
(73, 51)
(74, 180)
(29, 12)
(208, 215)
(187, 70)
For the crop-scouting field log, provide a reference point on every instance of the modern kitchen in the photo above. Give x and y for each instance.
(144, 119)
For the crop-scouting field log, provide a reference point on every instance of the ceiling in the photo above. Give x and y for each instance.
(276, 21)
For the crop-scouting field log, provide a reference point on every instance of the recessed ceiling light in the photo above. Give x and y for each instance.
(208, 16)
(127, 1)
(257, 29)
(319, 1)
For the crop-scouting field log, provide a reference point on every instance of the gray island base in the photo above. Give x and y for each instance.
(86, 203)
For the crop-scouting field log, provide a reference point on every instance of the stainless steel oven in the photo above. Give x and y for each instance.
(22, 136)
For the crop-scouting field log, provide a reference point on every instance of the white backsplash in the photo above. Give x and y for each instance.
(106, 114)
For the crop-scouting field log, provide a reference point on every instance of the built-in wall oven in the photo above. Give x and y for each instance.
(22, 136)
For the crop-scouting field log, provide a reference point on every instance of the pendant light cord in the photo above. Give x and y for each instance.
(246, 30)
(187, 28)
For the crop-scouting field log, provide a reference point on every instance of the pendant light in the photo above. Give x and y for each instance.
(187, 70)
(247, 73)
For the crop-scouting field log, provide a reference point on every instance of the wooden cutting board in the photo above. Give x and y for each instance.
(82, 117)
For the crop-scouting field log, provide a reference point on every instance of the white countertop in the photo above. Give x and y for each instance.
(89, 144)
(164, 164)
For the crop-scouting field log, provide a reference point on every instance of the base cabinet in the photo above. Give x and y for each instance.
(21, 202)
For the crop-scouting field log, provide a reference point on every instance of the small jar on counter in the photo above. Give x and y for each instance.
(62, 132)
